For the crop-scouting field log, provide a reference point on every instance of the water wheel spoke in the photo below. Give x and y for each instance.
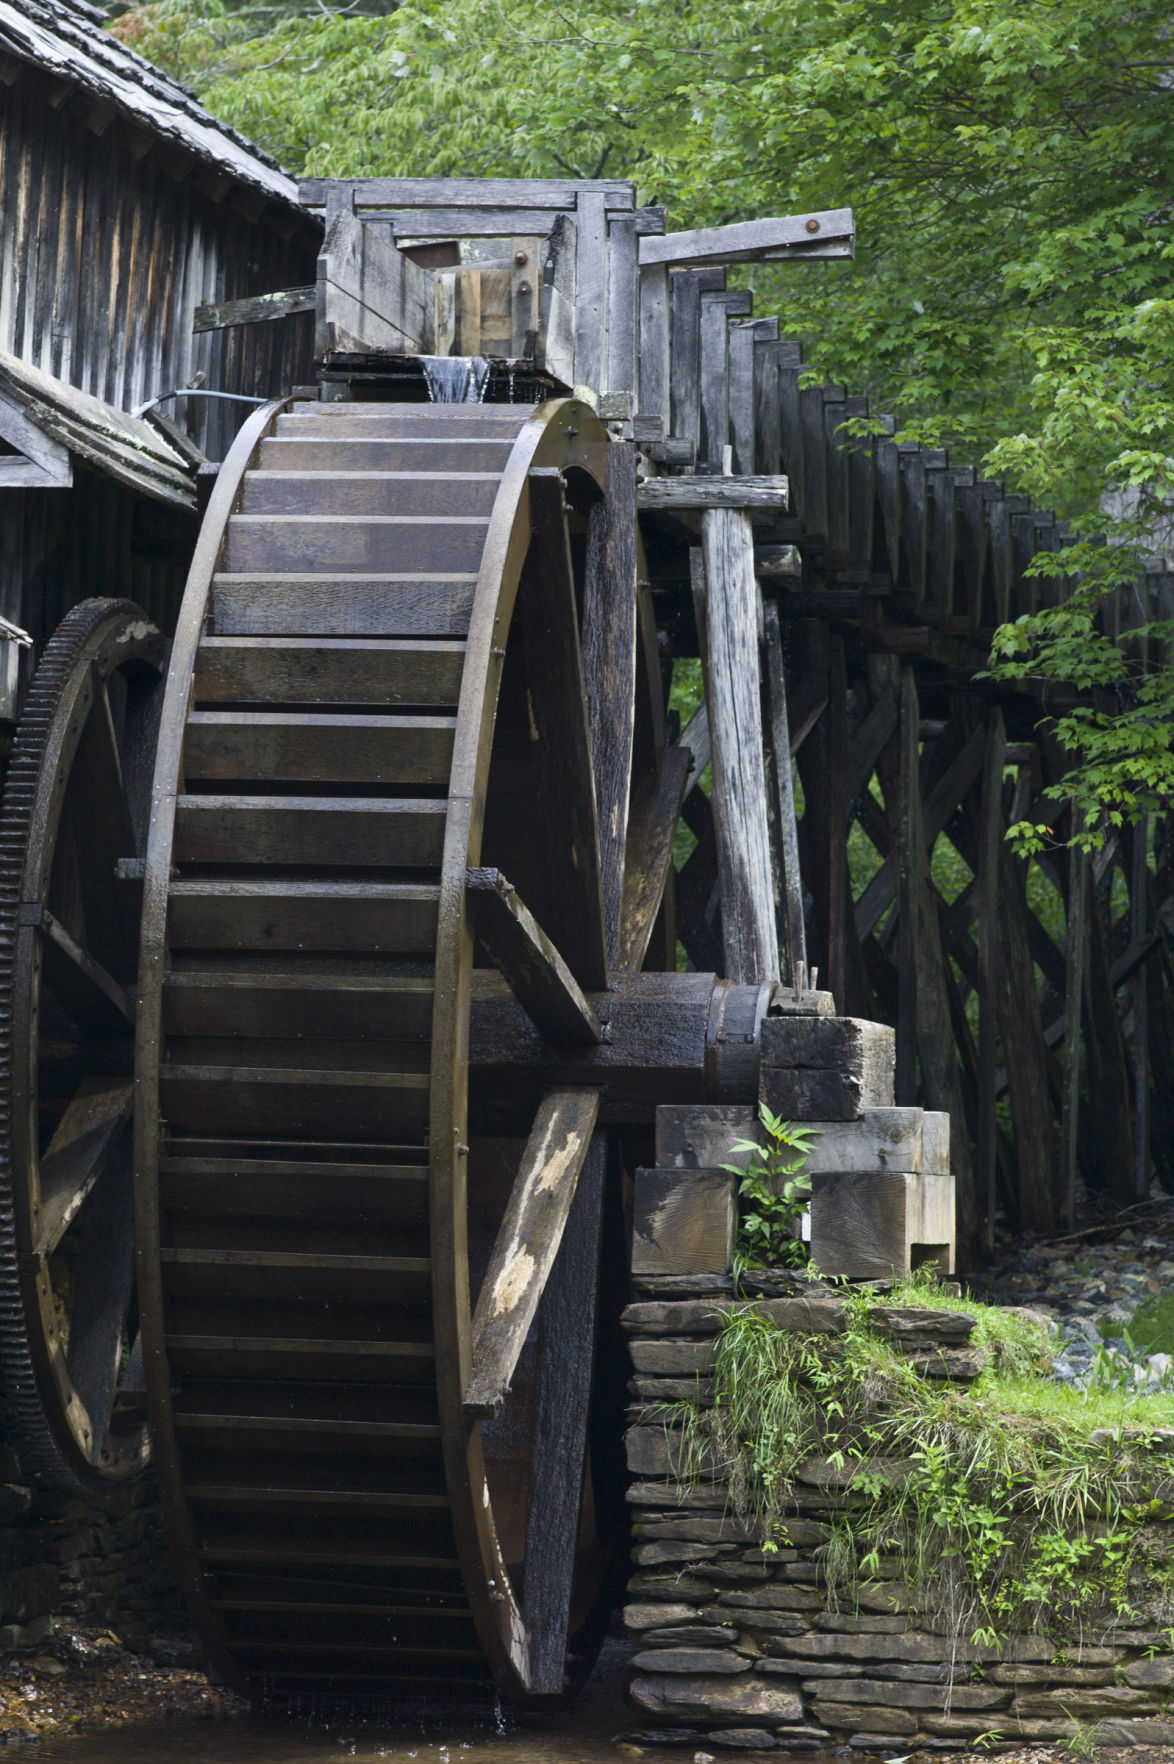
(519, 948)
(656, 809)
(527, 1243)
(83, 988)
(79, 1154)
(104, 833)
(609, 659)
(560, 1428)
(560, 738)
(101, 1294)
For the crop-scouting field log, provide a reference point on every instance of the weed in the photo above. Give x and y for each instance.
(773, 1195)
(1082, 1742)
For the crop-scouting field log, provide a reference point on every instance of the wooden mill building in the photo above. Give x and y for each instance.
(123, 206)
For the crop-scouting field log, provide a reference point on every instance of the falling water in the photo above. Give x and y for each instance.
(455, 379)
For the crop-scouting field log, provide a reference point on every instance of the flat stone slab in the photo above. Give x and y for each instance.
(747, 1695)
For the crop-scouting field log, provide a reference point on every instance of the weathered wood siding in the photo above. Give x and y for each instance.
(108, 242)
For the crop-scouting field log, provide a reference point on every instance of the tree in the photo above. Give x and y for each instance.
(1011, 164)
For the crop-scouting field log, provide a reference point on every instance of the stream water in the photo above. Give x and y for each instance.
(455, 379)
(585, 1734)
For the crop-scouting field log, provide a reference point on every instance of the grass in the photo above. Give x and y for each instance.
(1151, 1328)
(1005, 1513)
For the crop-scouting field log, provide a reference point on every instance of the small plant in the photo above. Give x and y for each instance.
(773, 1193)
(1082, 1742)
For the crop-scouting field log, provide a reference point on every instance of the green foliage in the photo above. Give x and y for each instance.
(773, 1195)
(1009, 163)
(996, 1503)
(1083, 1742)
(1151, 1328)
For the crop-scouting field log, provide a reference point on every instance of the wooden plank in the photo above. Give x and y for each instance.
(559, 1459)
(556, 308)
(398, 918)
(813, 511)
(1138, 989)
(861, 457)
(527, 1243)
(319, 670)
(425, 193)
(794, 938)
(103, 1281)
(1025, 1054)
(609, 666)
(328, 832)
(683, 1222)
(525, 293)
(330, 544)
(839, 904)
(1074, 949)
(870, 739)
(79, 984)
(591, 279)
(1106, 1134)
(538, 977)
(990, 834)
(766, 399)
(707, 493)
(257, 309)
(561, 739)
(341, 747)
(941, 1078)
(827, 232)
(739, 774)
(652, 392)
(413, 604)
(325, 492)
(743, 341)
(656, 810)
(715, 379)
(685, 357)
(622, 315)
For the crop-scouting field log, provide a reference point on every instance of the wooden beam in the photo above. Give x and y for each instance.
(908, 842)
(656, 809)
(558, 1462)
(828, 232)
(519, 948)
(424, 193)
(735, 721)
(794, 927)
(560, 738)
(259, 308)
(990, 836)
(675, 494)
(1074, 954)
(609, 665)
(527, 1244)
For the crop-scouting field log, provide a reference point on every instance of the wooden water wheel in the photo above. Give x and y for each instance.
(376, 731)
(74, 809)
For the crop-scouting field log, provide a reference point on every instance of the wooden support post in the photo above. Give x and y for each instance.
(609, 666)
(909, 852)
(1138, 988)
(794, 939)
(839, 894)
(989, 839)
(1025, 1053)
(735, 720)
(591, 289)
(1107, 1128)
(620, 373)
(1073, 999)
(567, 1329)
(652, 394)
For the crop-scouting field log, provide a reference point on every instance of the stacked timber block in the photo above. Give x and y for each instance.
(882, 1193)
(743, 1649)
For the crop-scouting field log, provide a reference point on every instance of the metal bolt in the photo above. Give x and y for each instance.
(462, 1151)
(523, 287)
(521, 257)
(813, 225)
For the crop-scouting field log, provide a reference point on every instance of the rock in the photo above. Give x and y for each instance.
(670, 1587)
(742, 1739)
(669, 1736)
(1110, 1699)
(763, 1623)
(802, 1739)
(738, 1573)
(818, 1312)
(776, 1596)
(1054, 1675)
(804, 1669)
(804, 1534)
(726, 1529)
(674, 1390)
(649, 1555)
(959, 1365)
(893, 1693)
(833, 1621)
(919, 1323)
(671, 1359)
(1137, 1733)
(965, 1727)
(638, 1617)
(1159, 1671)
(749, 1695)
(15, 1502)
(658, 1451)
(47, 1667)
(845, 1716)
(691, 1635)
(912, 1646)
(683, 1286)
(690, 1660)
(668, 1496)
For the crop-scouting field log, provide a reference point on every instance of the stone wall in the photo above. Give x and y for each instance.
(739, 1648)
(100, 1558)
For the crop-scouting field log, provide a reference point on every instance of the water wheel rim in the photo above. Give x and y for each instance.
(50, 1390)
(561, 435)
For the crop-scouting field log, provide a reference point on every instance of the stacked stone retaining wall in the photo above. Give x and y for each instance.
(82, 1558)
(739, 1648)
